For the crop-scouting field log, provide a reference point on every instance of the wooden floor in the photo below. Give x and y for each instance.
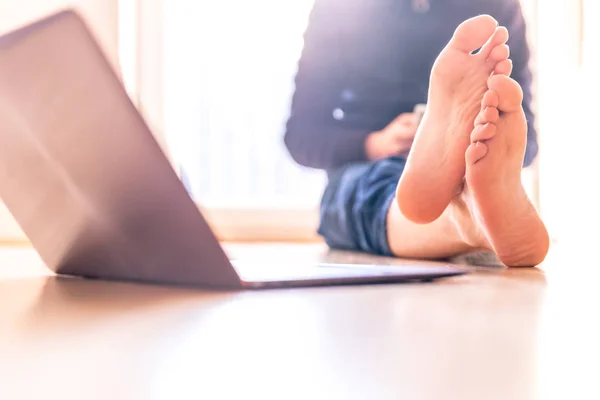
(493, 334)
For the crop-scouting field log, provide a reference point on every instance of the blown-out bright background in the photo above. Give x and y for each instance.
(218, 100)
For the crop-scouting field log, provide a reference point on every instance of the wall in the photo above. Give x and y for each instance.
(101, 16)
(565, 137)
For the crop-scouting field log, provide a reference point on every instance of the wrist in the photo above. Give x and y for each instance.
(372, 146)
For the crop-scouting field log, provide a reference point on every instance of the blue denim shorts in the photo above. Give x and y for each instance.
(355, 203)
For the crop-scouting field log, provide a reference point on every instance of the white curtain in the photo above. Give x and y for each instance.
(569, 58)
(228, 81)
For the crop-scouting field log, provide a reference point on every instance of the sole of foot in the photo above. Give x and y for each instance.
(501, 209)
(435, 166)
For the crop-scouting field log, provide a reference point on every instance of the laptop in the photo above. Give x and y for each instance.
(95, 194)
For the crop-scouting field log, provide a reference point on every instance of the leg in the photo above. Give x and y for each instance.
(436, 164)
(499, 203)
(492, 212)
(353, 208)
(438, 240)
(358, 213)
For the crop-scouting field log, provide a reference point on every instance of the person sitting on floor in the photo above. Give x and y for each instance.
(443, 187)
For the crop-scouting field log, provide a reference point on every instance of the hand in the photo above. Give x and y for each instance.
(394, 139)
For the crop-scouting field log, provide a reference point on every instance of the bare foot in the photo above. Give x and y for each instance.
(494, 194)
(436, 164)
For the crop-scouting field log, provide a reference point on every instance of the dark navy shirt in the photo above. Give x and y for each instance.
(364, 62)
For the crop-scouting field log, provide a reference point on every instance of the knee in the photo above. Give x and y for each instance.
(354, 208)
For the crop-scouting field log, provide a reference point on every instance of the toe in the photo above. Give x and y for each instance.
(488, 115)
(510, 94)
(499, 37)
(475, 152)
(504, 67)
(490, 99)
(473, 33)
(483, 132)
(498, 54)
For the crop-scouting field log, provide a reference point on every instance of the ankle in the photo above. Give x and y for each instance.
(465, 224)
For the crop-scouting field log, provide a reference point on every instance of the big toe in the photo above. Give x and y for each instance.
(473, 33)
(510, 93)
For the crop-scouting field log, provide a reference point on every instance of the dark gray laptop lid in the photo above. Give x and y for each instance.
(81, 172)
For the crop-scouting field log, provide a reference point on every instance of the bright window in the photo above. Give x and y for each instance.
(221, 98)
(228, 82)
